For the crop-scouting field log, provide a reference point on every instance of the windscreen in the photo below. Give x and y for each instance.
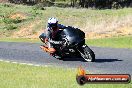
(74, 32)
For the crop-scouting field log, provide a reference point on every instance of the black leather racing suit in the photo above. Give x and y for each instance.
(52, 35)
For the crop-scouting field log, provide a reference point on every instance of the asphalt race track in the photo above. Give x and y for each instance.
(108, 60)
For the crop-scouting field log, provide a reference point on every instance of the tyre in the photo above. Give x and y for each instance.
(87, 54)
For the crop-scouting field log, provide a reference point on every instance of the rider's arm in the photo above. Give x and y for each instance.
(48, 36)
(61, 26)
(48, 33)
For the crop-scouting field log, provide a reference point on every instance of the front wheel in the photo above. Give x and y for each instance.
(87, 54)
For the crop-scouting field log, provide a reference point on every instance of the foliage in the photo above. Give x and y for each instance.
(47, 3)
(9, 20)
(8, 5)
(10, 23)
(99, 4)
(35, 12)
(115, 5)
(103, 3)
(39, 6)
(10, 27)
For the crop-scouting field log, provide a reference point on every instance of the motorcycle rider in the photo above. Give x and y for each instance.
(51, 37)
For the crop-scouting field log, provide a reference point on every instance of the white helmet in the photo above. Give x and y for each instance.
(52, 20)
(52, 23)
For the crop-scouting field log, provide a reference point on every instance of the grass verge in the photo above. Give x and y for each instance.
(24, 76)
(115, 42)
(20, 40)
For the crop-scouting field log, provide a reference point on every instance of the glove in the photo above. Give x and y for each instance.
(46, 40)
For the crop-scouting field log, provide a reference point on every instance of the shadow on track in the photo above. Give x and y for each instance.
(73, 59)
(96, 60)
(106, 60)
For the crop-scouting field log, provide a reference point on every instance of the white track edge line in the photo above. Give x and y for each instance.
(29, 64)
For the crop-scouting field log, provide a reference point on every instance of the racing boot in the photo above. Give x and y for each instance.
(51, 50)
(45, 48)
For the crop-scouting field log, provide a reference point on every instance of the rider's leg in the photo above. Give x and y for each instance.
(51, 48)
(53, 51)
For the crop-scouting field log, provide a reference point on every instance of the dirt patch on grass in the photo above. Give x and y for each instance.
(3, 1)
(18, 15)
(36, 35)
(27, 30)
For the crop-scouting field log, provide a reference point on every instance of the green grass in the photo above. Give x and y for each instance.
(115, 42)
(20, 40)
(24, 76)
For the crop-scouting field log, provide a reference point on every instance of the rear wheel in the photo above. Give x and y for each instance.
(87, 54)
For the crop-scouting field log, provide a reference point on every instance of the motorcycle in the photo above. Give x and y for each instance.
(73, 44)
